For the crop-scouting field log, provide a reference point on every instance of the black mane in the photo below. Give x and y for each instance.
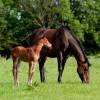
(64, 28)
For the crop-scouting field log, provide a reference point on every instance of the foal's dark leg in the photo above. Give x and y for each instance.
(41, 68)
(59, 58)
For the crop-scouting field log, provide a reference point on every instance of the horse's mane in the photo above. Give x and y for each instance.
(35, 33)
(67, 28)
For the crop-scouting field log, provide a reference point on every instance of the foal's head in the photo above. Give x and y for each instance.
(45, 42)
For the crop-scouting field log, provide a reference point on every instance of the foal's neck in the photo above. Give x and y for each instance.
(37, 47)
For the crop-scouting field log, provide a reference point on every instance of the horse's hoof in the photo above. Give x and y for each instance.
(43, 81)
(59, 81)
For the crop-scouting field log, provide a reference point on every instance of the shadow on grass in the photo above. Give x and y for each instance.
(72, 82)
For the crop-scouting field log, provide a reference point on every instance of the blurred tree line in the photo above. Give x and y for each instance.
(19, 17)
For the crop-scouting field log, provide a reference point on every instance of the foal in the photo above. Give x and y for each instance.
(30, 55)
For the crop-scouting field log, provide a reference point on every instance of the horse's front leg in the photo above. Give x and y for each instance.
(59, 58)
(31, 71)
(41, 68)
(65, 57)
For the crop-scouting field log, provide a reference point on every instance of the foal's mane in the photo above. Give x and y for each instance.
(68, 29)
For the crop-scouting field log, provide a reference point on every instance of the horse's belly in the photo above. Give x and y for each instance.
(49, 53)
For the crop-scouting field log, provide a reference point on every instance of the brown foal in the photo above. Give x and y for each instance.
(30, 55)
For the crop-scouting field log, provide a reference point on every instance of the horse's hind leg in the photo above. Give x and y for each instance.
(16, 62)
(41, 68)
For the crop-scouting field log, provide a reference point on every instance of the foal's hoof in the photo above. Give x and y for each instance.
(85, 82)
(29, 84)
(16, 84)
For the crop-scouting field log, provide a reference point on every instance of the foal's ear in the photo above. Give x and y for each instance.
(44, 38)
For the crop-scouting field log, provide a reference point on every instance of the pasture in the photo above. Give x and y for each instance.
(70, 89)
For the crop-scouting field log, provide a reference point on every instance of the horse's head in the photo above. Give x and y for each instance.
(47, 43)
(83, 71)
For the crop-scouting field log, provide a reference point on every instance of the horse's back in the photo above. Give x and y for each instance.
(48, 33)
(56, 41)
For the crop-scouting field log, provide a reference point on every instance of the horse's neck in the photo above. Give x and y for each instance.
(77, 51)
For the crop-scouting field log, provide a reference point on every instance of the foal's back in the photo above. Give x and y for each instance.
(25, 54)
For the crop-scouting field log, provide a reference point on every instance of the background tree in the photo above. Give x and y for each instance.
(19, 17)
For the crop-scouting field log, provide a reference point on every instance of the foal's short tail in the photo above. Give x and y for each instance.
(8, 54)
(7, 51)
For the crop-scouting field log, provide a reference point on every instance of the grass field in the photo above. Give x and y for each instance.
(70, 89)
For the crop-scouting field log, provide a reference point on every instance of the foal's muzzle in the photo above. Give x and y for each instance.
(49, 46)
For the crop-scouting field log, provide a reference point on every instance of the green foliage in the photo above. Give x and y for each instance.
(19, 17)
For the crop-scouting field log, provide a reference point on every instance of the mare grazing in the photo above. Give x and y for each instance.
(64, 44)
(30, 55)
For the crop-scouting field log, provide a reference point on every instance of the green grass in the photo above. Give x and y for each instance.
(70, 89)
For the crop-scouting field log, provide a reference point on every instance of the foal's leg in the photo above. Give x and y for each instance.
(41, 68)
(14, 70)
(16, 62)
(31, 71)
(17, 68)
(59, 58)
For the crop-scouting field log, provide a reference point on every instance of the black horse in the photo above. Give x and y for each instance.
(64, 44)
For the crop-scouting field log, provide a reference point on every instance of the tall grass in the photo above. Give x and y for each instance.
(70, 89)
